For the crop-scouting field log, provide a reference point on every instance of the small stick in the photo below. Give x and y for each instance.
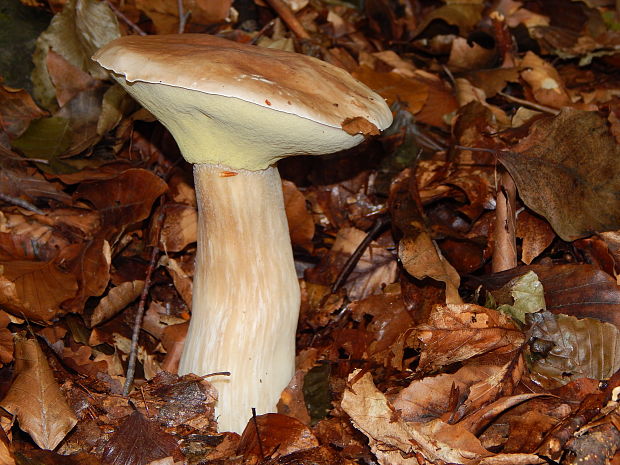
(349, 266)
(21, 203)
(125, 19)
(258, 438)
(527, 103)
(182, 16)
(289, 18)
(133, 352)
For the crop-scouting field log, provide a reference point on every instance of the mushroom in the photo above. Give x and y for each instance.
(235, 110)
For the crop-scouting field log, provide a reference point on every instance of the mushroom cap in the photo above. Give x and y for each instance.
(284, 81)
(243, 106)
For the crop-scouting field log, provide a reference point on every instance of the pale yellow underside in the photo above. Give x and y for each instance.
(229, 131)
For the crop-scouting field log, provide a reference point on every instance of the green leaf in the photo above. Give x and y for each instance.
(519, 296)
(47, 139)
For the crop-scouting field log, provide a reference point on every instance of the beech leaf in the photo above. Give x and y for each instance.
(455, 333)
(421, 258)
(520, 296)
(35, 398)
(139, 441)
(117, 299)
(391, 438)
(586, 348)
(567, 170)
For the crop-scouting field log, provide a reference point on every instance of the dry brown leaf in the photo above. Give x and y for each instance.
(182, 281)
(279, 434)
(35, 398)
(68, 80)
(375, 268)
(179, 227)
(536, 233)
(185, 400)
(586, 348)
(395, 441)
(421, 258)
(17, 110)
(455, 333)
(425, 399)
(546, 83)
(567, 170)
(300, 222)
(124, 199)
(139, 441)
(466, 55)
(394, 87)
(583, 291)
(390, 321)
(116, 300)
(90, 264)
(34, 289)
(6, 457)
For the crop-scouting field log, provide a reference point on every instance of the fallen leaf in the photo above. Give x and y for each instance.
(395, 441)
(394, 87)
(277, 435)
(179, 228)
(300, 222)
(455, 333)
(116, 300)
(579, 290)
(546, 83)
(139, 441)
(536, 233)
(567, 170)
(520, 296)
(586, 348)
(422, 258)
(17, 110)
(35, 398)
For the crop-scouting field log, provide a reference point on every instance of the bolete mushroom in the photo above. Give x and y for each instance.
(235, 110)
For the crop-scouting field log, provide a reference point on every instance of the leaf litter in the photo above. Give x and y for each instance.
(409, 349)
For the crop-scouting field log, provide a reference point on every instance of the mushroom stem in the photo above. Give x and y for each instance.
(245, 294)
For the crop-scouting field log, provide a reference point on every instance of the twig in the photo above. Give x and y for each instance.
(133, 352)
(6, 153)
(258, 438)
(182, 16)
(21, 203)
(125, 19)
(527, 103)
(349, 266)
(287, 15)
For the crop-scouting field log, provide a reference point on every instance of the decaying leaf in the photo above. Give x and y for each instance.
(139, 441)
(117, 299)
(421, 258)
(520, 296)
(586, 348)
(567, 170)
(35, 398)
(455, 333)
(35, 289)
(278, 433)
(300, 222)
(395, 441)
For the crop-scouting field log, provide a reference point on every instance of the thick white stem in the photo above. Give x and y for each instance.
(245, 294)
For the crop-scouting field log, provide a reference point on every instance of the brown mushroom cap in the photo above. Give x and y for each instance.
(284, 81)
